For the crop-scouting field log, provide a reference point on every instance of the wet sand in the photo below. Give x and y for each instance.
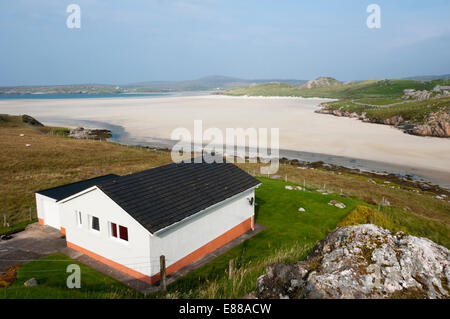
(300, 128)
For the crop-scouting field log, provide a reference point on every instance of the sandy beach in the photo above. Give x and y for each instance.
(300, 128)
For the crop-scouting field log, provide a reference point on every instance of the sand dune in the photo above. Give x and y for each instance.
(300, 128)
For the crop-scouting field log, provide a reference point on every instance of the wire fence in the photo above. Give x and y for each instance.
(10, 217)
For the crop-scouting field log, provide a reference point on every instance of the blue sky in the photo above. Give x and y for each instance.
(126, 41)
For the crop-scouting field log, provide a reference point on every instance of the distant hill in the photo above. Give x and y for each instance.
(320, 87)
(331, 89)
(61, 89)
(214, 82)
(428, 77)
(209, 83)
(322, 81)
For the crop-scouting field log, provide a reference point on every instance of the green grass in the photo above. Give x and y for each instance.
(380, 101)
(412, 224)
(16, 227)
(416, 111)
(51, 275)
(267, 89)
(348, 106)
(396, 219)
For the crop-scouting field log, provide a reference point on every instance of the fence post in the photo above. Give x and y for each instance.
(162, 263)
(4, 220)
(230, 268)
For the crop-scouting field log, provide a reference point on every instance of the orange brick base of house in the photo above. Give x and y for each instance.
(113, 264)
(195, 255)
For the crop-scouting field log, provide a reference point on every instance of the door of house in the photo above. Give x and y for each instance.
(51, 214)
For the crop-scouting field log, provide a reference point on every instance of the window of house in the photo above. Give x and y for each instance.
(79, 219)
(114, 230)
(122, 232)
(95, 223)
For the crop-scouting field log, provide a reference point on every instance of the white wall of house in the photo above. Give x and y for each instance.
(184, 238)
(134, 253)
(142, 251)
(48, 210)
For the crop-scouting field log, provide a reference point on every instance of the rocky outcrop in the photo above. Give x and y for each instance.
(89, 134)
(436, 124)
(363, 261)
(416, 95)
(320, 82)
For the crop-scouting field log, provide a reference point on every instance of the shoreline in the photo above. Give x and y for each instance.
(440, 130)
(151, 120)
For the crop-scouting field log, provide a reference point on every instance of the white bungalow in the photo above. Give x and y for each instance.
(182, 211)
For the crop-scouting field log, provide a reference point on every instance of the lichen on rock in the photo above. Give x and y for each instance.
(364, 261)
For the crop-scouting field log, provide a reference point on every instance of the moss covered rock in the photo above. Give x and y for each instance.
(364, 261)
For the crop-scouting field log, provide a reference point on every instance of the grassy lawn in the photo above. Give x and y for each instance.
(51, 275)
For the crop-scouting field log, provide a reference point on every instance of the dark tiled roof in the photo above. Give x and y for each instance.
(162, 196)
(67, 190)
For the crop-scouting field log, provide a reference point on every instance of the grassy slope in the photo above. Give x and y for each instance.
(364, 89)
(413, 111)
(53, 160)
(51, 275)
